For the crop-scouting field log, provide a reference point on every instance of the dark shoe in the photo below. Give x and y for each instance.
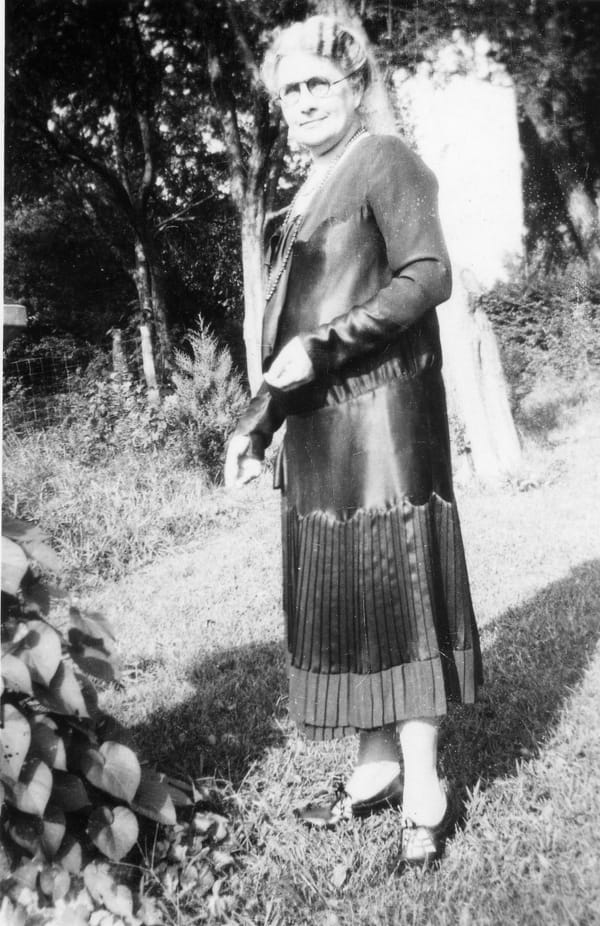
(423, 846)
(339, 806)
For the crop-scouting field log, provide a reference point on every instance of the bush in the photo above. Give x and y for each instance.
(71, 784)
(548, 325)
(547, 321)
(207, 400)
(73, 789)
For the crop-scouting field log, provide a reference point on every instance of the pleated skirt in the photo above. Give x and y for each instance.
(379, 619)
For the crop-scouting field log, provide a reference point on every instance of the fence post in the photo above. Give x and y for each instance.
(148, 365)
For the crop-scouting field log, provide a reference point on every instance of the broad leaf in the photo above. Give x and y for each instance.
(180, 792)
(32, 791)
(153, 799)
(104, 889)
(43, 554)
(54, 830)
(54, 882)
(63, 695)
(14, 566)
(70, 856)
(36, 596)
(68, 792)
(108, 728)
(47, 745)
(25, 531)
(40, 650)
(16, 737)
(113, 768)
(114, 832)
(15, 674)
(96, 663)
(26, 831)
(32, 539)
(93, 625)
(90, 696)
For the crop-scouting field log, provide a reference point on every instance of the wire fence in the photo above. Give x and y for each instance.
(50, 390)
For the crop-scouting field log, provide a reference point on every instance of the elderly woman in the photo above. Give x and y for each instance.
(380, 627)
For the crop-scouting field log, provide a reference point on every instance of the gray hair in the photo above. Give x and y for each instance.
(324, 36)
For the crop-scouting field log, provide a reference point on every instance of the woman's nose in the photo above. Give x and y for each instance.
(307, 100)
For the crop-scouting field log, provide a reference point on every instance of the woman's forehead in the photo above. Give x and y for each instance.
(302, 65)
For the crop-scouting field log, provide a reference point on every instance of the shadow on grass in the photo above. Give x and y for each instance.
(237, 712)
(534, 656)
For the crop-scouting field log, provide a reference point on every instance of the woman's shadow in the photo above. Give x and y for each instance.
(534, 655)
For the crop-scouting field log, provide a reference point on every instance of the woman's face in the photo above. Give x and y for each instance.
(319, 123)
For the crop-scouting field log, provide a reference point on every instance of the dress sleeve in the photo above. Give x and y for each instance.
(261, 419)
(402, 194)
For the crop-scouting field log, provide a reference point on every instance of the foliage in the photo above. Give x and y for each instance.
(109, 412)
(549, 49)
(72, 785)
(113, 114)
(207, 401)
(114, 412)
(70, 782)
(70, 279)
(108, 516)
(548, 324)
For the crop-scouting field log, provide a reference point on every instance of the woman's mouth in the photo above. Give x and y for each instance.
(311, 122)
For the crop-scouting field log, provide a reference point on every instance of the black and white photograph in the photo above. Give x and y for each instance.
(301, 463)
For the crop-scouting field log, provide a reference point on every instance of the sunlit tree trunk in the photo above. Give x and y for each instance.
(253, 178)
(477, 389)
(147, 279)
(252, 224)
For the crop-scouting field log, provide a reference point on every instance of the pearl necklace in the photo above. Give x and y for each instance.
(296, 221)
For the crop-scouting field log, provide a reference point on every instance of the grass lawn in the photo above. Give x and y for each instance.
(205, 694)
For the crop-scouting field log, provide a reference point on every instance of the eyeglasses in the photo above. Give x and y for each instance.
(318, 87)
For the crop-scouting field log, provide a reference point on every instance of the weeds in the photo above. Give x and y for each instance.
(111, 516)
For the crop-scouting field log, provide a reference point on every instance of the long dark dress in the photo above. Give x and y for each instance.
(380, 625)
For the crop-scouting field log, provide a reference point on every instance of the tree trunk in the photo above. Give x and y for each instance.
(148, 365)
(571, 173)
(252, 224)
(148, 281)
(119, 361)
(477, 389)
(159, 316)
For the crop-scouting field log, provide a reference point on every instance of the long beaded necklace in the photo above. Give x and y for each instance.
(297, 219)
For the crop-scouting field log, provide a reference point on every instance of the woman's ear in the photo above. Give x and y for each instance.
(359, 92)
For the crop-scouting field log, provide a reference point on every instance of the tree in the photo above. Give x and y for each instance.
(93, 92)
(126, 99)
(550, 50)
(232, 36)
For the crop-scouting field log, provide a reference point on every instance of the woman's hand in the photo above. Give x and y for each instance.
(292, 367)
(239, 467)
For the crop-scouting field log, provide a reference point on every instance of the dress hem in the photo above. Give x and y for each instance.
(335, 705)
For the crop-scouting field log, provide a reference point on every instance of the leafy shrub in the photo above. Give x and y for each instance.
(70, 783)
(547, 321)
(207, 400)
(113, 413)
(72, 787)
(548, 325)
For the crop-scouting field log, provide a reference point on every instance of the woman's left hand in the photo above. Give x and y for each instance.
(292, 367)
